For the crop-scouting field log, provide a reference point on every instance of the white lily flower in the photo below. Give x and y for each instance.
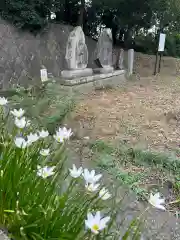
(59, 138)
(20, 142)
(53, 15)
(104, 194)
(62, 134)
(3, 101)
(45, 172)
(75, 172)
(21, 123)
(67, 133)
(45, 152)
(43, 133)
(156, 201)
(28, 123)
(31, 138)
(18, 113)
(96, 223)
(90, 177)
(92, 187)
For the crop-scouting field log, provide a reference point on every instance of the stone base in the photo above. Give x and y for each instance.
(71, 74)
(103, 70)
(95, 78)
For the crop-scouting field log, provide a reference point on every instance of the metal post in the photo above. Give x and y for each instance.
(159, 68)
(155, 68)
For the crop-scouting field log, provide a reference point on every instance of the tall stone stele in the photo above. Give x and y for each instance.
(103, 52)
(76, 56)
(130, 61)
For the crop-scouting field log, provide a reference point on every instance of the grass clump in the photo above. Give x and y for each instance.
(132, 166)
(47, 104)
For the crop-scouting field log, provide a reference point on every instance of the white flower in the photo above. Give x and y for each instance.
(21, 123)
(18, 113)
(156, 201)
(3, 101)
(62, 134)
(45, 172)
(58, 137)
(96, 223)
(20, 142)
(67, 133)
(43, 134)
(45, 152)
(31, 138)
(53, 15)
(28, 123)
(75, 172)
(104, 194)
(90, 177)
(92, 187)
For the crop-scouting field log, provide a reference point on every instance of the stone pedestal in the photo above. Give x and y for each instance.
(104, 70)
(96, 78)
(130, 61)
(71, 74)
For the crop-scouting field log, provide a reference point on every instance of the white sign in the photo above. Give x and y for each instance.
(44, 75)
(162, 39)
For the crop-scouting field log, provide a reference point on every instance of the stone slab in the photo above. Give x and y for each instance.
(130, 61)
(3, 236)
(103, 51)
(93, 78)
(108, 69)
(76, 50)
(72, 74)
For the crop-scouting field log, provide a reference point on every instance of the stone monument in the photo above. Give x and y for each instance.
(76, 56)
(44, 74)
(103, 52)
(130, 61)
(121, 59)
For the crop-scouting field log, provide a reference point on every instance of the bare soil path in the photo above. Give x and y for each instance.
(145, 113)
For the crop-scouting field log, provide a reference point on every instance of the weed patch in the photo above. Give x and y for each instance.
(140, 170)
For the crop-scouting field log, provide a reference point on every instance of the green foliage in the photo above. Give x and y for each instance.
(118, 161)
(39, 103)
(101, 146)
(172, 45)
(168, 162)
(148, 44)
(145, 44)
(26, 15)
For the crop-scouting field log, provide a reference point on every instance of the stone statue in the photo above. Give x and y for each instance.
(76, 50)
(76, 56)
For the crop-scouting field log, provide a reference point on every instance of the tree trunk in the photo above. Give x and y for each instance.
(81, 15)
(66, 11)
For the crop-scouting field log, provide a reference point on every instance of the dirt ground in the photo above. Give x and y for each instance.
(144, 113)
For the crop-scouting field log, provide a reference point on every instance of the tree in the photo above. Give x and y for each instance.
(27, 14)
(81, 14)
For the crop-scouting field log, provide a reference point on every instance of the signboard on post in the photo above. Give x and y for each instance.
(162, 39)
(160, 50)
